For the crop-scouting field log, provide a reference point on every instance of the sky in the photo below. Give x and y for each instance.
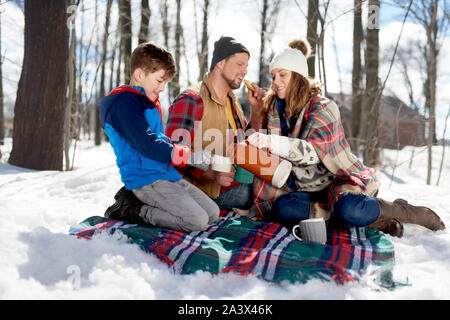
(240, 19)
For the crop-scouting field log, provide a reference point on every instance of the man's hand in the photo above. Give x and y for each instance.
(223, 178)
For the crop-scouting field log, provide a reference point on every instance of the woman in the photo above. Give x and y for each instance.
(306, 129)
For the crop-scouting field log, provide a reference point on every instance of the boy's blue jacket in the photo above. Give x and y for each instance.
(135, 129)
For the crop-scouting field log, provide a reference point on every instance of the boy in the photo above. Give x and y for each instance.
(131, 117)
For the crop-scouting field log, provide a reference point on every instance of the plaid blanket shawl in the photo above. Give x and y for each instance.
(319, 123)
(243, 246)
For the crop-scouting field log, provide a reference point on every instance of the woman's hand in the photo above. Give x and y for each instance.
(255, 98)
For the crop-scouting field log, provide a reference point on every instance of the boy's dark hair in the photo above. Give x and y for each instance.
(151, 57)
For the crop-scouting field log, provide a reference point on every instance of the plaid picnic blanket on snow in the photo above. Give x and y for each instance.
(267, 250)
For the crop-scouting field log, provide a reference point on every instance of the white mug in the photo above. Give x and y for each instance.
(220, 163)
(311, 230)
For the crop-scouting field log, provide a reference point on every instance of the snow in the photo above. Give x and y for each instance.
(39, 260)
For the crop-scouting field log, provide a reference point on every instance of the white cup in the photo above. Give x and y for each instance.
(221, 164)
(311, 230)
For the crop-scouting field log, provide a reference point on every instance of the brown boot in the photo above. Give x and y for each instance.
(406, 213)
(389, 226)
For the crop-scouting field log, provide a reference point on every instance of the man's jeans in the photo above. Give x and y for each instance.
(240, 197)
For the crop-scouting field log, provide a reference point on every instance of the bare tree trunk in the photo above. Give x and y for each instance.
(84, 125)
(432, 34)
(321, 43)
(98, 128)
(262, 79)
(113, 62)
(164, 11)
(397, 139)
(203, 55)
(444, 142)
(68, 126)
(38, 135)
(126, 33)
(269, 15)
(371, 103)
(145, 20)
(311, 34)
(426, 13)
(356, 77)
(175, 84)
(2, 114)
(120, 58)
(105, 47)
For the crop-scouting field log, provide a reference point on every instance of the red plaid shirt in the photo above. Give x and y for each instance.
(184, 111)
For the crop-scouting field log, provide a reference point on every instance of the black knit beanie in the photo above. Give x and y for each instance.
(225, 47)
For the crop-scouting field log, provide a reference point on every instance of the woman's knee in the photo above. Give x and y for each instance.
(356, 209)
(291, 207)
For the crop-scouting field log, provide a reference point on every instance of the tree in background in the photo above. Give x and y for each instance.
(315, 39)
(426, 13)
(125, 49)
(174, 85)
(311, 34)
(203, 52)
(369, 131)
(358, 36)
(2, 115)
(126, 36)
(38, 135)
(269, 14)
(145, 20)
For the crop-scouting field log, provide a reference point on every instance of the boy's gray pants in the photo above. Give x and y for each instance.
(177, 205)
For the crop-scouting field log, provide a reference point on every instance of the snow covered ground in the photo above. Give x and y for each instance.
(39, 260)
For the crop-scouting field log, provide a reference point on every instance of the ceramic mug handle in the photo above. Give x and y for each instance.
(294, 233)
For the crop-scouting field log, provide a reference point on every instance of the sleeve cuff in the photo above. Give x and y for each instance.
(280, 145)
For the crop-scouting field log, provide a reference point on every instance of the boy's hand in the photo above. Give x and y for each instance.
(180, 155)
(200, 159)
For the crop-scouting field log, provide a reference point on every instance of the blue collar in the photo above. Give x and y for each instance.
(138, 88)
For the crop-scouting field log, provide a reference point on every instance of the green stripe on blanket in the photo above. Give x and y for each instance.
(267, 250)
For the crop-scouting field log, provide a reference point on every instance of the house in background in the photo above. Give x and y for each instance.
(400, 124)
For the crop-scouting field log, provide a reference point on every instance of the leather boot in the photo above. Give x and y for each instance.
(126, 208)
(406, 213)
(389, 226)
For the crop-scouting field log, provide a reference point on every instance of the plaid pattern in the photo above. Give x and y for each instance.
(319, 123)
(237, 244)
(183, 113)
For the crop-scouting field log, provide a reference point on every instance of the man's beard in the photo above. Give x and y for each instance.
(234, 84)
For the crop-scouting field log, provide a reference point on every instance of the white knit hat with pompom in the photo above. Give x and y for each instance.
(291, 59)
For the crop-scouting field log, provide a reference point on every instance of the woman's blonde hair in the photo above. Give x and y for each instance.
(300, 90)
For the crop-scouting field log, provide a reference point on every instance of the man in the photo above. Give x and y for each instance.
(210, 109)
(213, 108)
